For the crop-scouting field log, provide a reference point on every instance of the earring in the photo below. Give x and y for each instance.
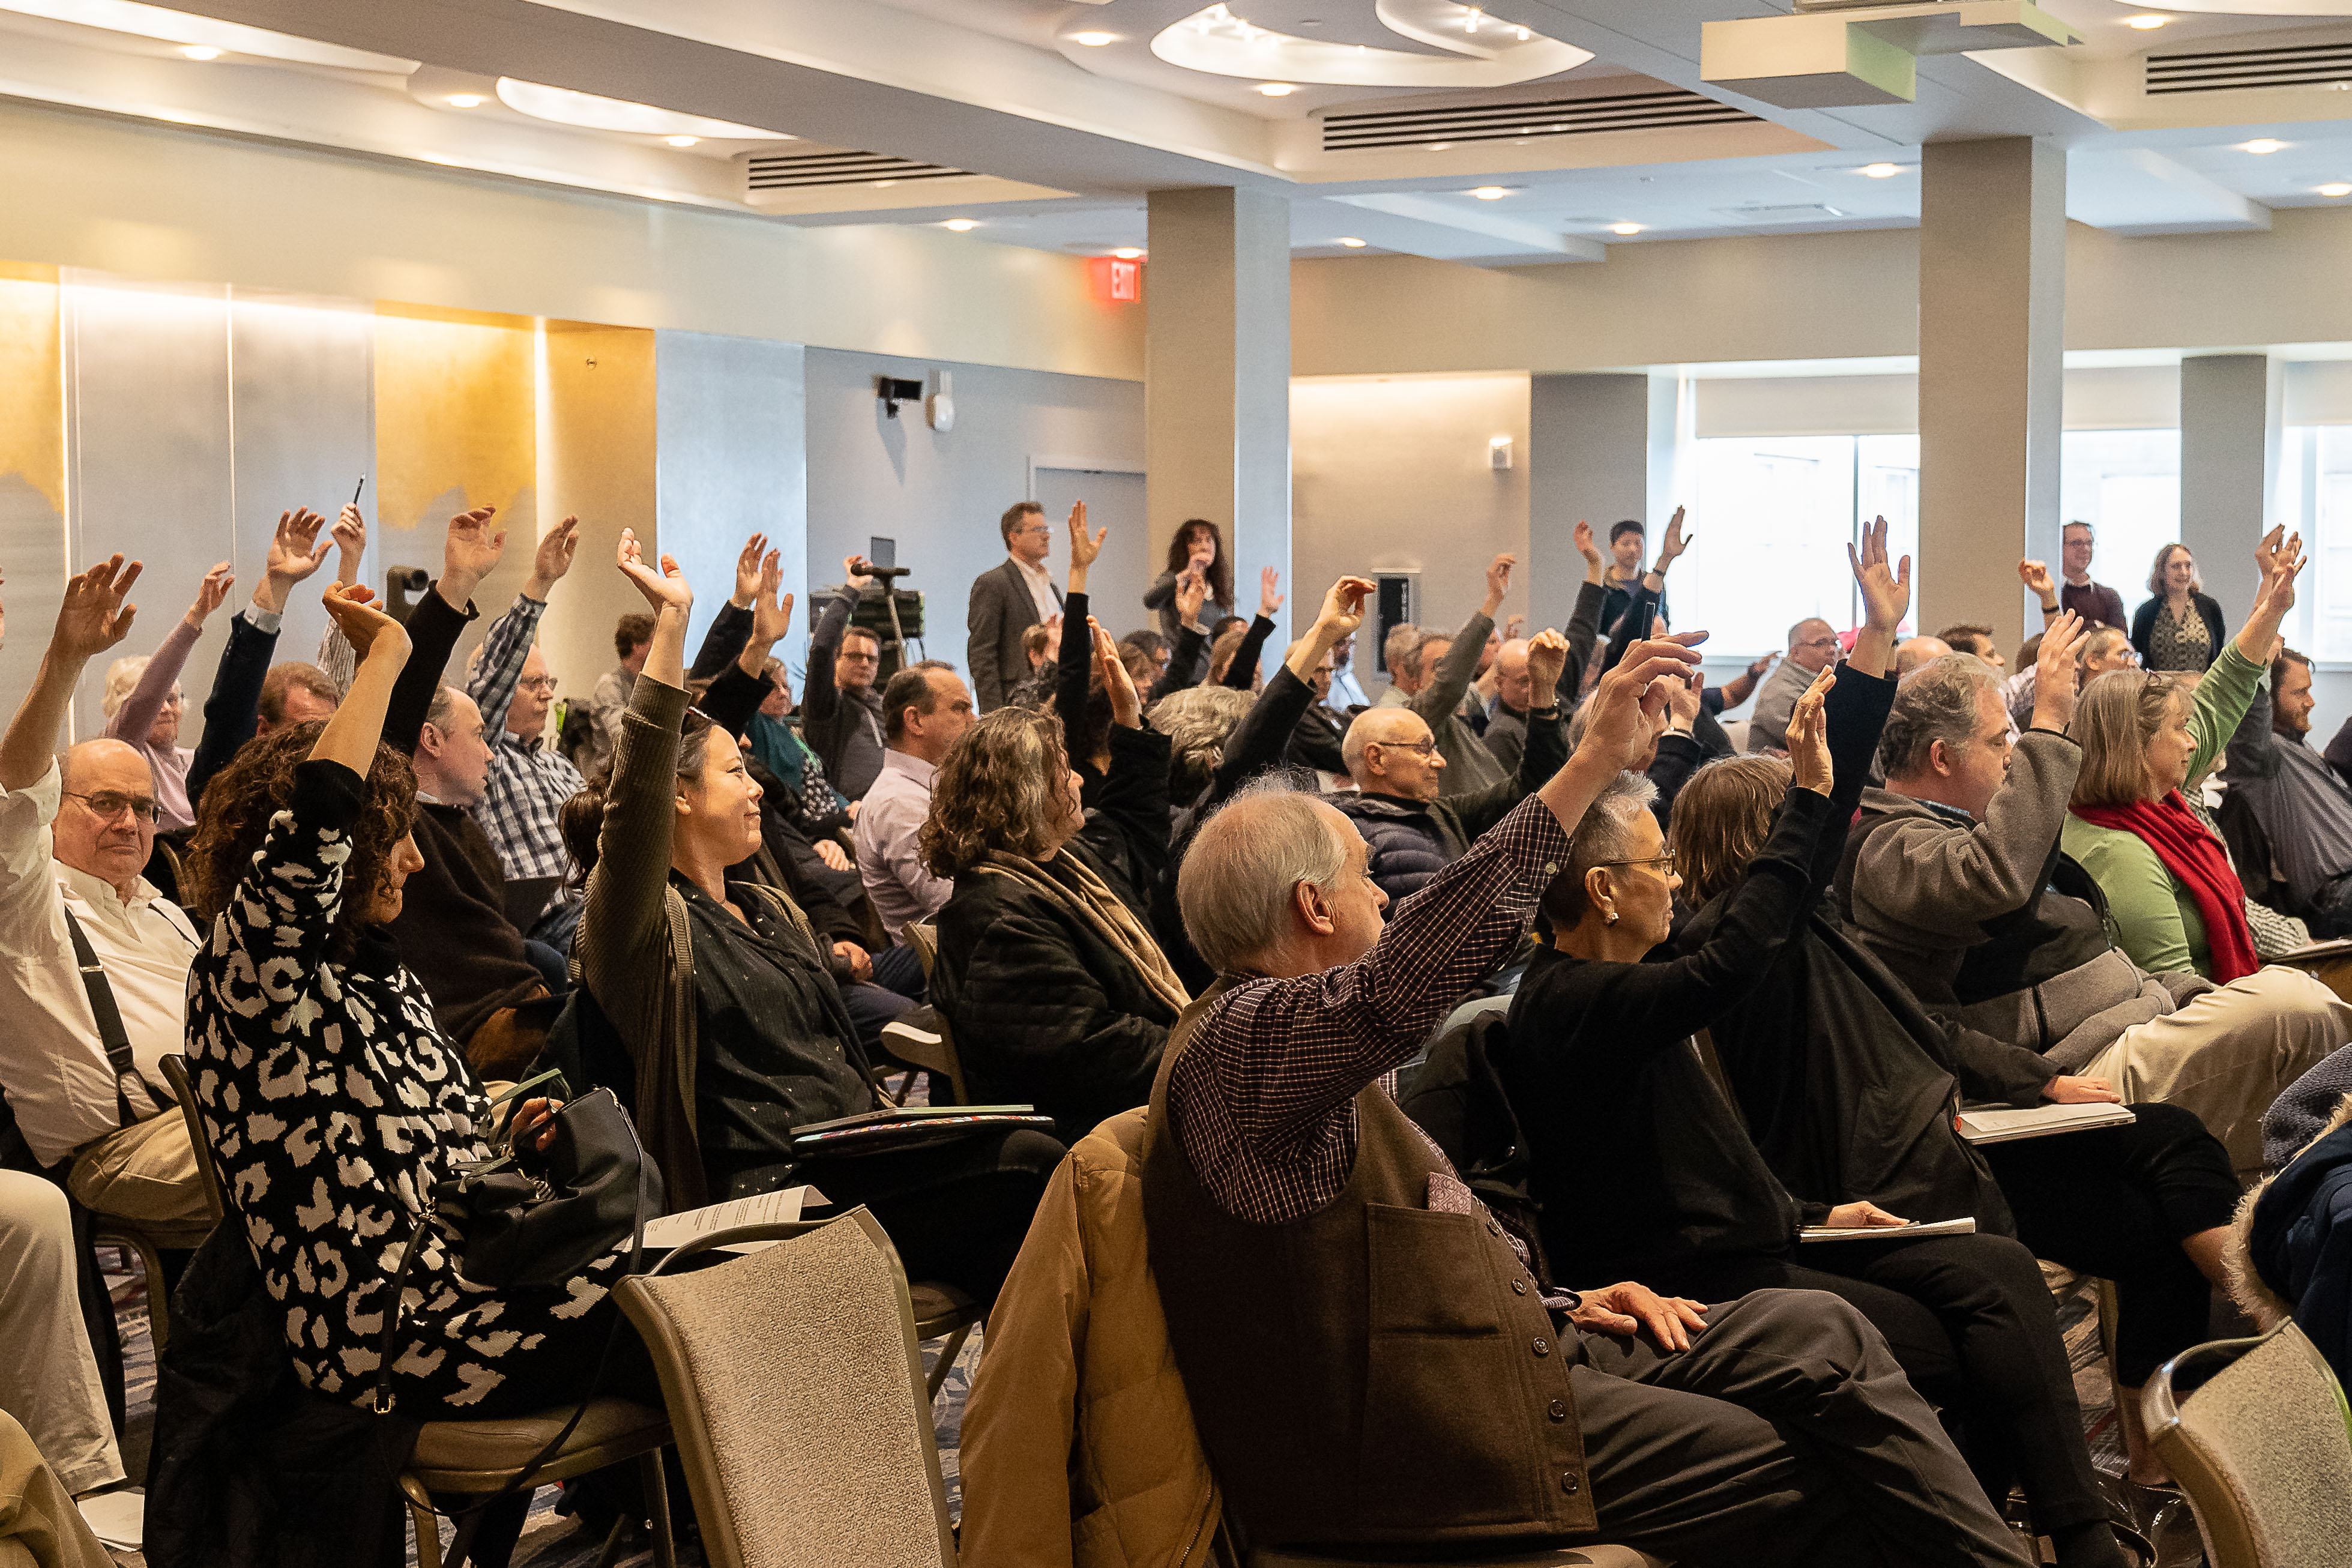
(1610, 918)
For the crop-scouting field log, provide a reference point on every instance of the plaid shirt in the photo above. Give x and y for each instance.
(522, 809)
(1261, 1101)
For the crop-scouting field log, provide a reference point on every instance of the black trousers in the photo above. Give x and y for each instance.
(1973, 1327)
(956, 1212)
(2116, 1202)
(1785, 1435)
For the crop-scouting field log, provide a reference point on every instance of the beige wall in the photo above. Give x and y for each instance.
(154, 202)
(1393, 475)
(1803, 297)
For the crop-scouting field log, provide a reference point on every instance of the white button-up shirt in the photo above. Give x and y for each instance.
(1041, 594)
(52, 1064)
(889, 825)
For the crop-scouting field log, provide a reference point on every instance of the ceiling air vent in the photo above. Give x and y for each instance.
(811, 170)
(1793, 212)
(2233, 70)
(1511, 121)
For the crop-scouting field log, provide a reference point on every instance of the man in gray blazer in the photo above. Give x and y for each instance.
(1006, 601)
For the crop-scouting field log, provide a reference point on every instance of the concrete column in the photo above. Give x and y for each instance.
(1993, 302)
(1217, 382)
(1588, 451)
(2229, 436)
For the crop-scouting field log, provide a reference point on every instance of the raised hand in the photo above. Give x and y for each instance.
(667, 589)
(2055, 670)
(1343, 609)
(1084, 546)
(1684, 702)
(552, 559)
(1809, 736)
(470, 552)
(210, 594)
(1191, 593)
(1498, 581)
(1546, 657)
(1885, 590)
(1512, 628)
(1269, 597)
(1590, 548)
(296, 550)
(853, 569)
(2035, 576)
(772, 607)
(2281, 558)
(747, 570)
(1625, 708)
(351, 606)
(93, 617)
(1670, 549)
(349, 534)
(1126, 707)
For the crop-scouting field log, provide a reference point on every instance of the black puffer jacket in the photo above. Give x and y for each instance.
(1046, 1011)
(1413, 840)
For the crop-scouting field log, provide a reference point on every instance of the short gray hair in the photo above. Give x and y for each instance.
(445, 702)
(1245, 862)
(1937, 701)
(1197, 720)
(1602, 834)
(1400, 647)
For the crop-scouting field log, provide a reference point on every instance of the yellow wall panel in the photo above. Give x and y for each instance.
(32, 408)
(596, 462)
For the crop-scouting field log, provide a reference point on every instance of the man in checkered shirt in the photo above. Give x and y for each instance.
(522, 808)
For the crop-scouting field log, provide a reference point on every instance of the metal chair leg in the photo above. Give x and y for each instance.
(656, 1484)
(948, 1352)
(428, 1523)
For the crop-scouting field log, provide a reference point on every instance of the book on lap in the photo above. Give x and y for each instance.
(1963, 1226)
(2000, 1125)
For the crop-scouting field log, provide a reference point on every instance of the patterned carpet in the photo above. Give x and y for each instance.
(552, 1541)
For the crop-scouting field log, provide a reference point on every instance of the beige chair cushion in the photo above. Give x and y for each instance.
(2273, 1424)
(476, 1446)
(1561, 1557)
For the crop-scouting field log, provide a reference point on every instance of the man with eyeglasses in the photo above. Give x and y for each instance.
(522, 806)
(1006, 601)
(93, 960)
(841, 713)
(1813, 648)
(1415, 829)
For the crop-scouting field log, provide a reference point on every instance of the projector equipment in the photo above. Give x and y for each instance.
(402, 586)
(893, 392)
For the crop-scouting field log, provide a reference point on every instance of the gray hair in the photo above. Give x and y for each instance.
(1401, 647)
(1937, 701)
(445, 703)
(1603, 834)
(1246, 863)
(1197, 720)
(122, 677)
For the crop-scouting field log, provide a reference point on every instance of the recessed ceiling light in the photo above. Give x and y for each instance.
(1277, 89)
(464, 100)
(683, 141)
(1353, 244)
(1441, 146)
(1624, 229)
(2145, 24)
(884, 185)
(1882, 171)
(2263, 144)
(960, 225)
(2337, 189)
(201, 52)
(1127, 252)
(1490, 192)
(189, 33)
(1093, 40)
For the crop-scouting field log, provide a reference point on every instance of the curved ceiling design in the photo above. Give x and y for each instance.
(1479, 51)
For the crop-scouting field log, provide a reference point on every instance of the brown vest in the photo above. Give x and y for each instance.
(1374, 1372)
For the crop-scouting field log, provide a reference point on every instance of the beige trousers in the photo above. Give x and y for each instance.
(48, 1378)
(145, 1173)
(39, 1525)
(2227, 1053)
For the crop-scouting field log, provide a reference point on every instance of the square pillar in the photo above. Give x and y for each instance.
(1216, 384)
(1992, 305)
(2230, 437)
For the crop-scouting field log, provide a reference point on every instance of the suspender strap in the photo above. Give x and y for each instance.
(111, 1032)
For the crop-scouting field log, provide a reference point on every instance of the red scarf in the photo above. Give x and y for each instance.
(2196, 859)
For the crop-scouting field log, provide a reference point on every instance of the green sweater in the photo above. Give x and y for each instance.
(2154, 918)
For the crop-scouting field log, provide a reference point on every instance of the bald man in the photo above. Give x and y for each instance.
(74, 834)
(1912, 652)
(1813, 648)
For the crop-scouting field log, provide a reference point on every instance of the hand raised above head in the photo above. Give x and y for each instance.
(1625, 708)
(772, 607)
(1546, 657)
(1586, 546)
(1269, 592)
(2035, 576)
(93, 617)
(1343, 607)
(665, 589)
(473, 547)
(1126, 706)
(211, 593)
(1191, 593)
(1084, 546)
(1809, 736)
(747, 570)
(1670, 548)
(352, 607)
(1498, 574)
(1886, 589)
(552, 559)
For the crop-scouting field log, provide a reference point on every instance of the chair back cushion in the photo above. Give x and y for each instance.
(2271, 1429)
(797, 1391)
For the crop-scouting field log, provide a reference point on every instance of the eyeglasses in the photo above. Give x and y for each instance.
(1819, 642)
(1034, 529)
(1420, 748)
(109, 803)
(1665, 862)
(866, 658)
(544, 685)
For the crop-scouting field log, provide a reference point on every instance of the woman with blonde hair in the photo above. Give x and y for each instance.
(2174, 901)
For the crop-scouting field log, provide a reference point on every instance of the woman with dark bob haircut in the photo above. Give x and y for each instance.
(1047, 972)
(725, 1003)
(330, 1100)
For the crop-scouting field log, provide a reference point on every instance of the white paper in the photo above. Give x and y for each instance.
(1967, 1226)
(1996, 1125)
(780, 1208)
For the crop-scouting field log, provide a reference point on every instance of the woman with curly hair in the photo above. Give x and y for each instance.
(725, 1002)
(331, 1100)
(1195, 556)
(1046, 970)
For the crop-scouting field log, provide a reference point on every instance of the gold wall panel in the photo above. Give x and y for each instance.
(596, 430)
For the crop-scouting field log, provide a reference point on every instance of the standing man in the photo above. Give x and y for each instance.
(1006, 601)
(924, 711)
(2097, 603)
(1813, 648)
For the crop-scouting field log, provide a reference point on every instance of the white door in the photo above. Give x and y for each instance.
(1115, 582)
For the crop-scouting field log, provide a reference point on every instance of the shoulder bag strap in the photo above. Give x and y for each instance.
(111, 1032)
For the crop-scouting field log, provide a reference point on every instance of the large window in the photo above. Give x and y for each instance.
(2315, 499)
(2127, 485)
(1773, 517)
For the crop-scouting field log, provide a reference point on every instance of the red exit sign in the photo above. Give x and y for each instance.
(1117, 280)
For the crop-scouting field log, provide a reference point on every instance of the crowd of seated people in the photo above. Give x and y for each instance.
(1735, 998)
